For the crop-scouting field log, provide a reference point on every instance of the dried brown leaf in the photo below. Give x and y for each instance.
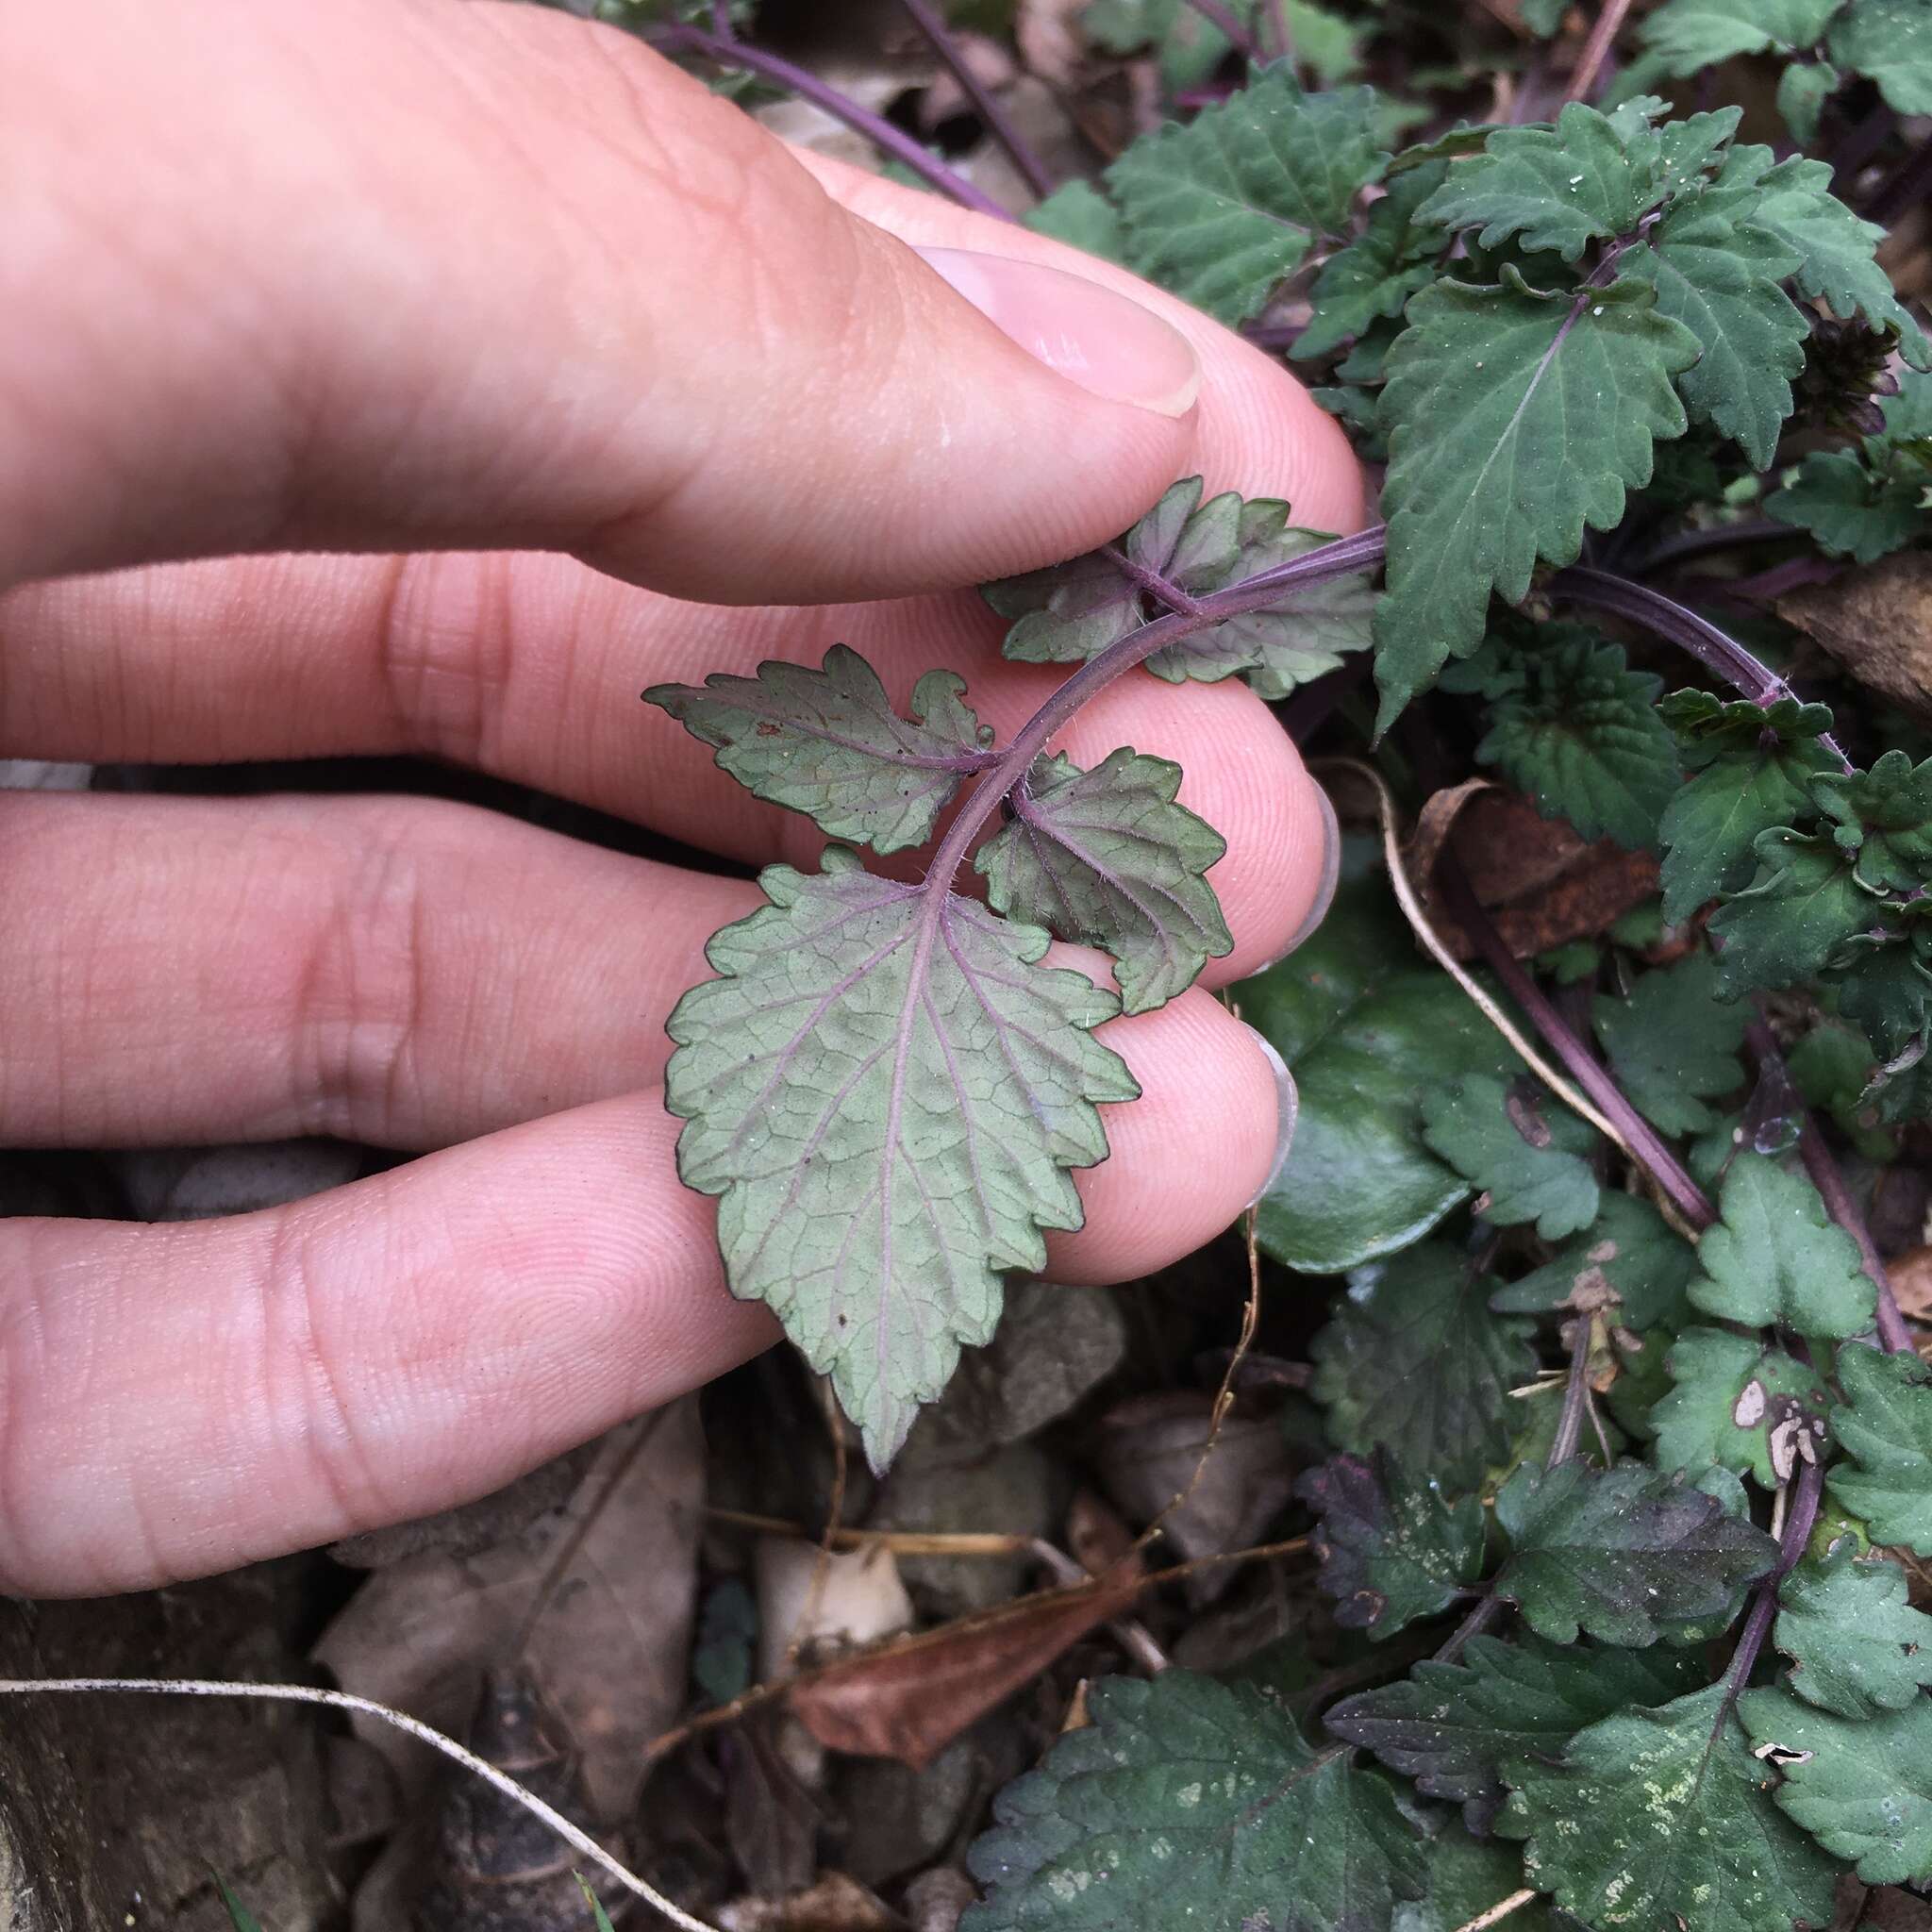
(834, 1904)
(1877, 622)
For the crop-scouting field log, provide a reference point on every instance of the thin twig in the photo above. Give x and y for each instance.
(1688, 543)
(998, 123)
(1499, 1911)
(1596, 50)
(902, 1542)
(573, 1836)
(1280, 36)
(1237, 36)
(1800, 1519)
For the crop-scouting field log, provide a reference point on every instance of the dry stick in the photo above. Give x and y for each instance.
(1499, 1911)
(998, 123)
(835, 1512)
(902, 1542)
(573, 1836)
(1596, 50)
(1800, 1519)
(1831, 1187)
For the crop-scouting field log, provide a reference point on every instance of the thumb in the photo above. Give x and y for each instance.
(430, 273)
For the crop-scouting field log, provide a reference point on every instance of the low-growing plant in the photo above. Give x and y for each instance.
(1617, 1391)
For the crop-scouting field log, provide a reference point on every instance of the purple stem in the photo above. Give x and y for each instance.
(1162, 589)
(1768, 586)
(1281, 38)
(1642, 1140)
(1682, 628)
(1831, 1187)
(1341, 559)
(1273, 335)
(1216, 14)
(1800, 1519)
(1719, 536)
(808, 86)
(998, 123)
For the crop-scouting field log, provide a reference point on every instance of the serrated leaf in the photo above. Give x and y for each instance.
(1777, 1257)
(1455, 1727)
(1835, 246)
(828, 743)
(1625, 1554)
(1661, 1818)
(1414, 1364)
(1799, 911)
(1076, 212)
(1582, 738)
(1364, 1025)
(1186, 1794)
(1559, 188)
(1515, 419)
(1886, 1427)
(1884, 817)
(1218, 210)
(1526, 1153)
(1892, 42)
(1392, 1549)
(1753, 768)
(1740, 1405)
(1672, 1044)
(1857, 1647)
(887, 1089)
(1852, 510)
(1862, 1788)
(1686, 34)
(1882, 983)
(1628, 1258)
(1374, 275)
(1191, 46)
(1803, 89)
(1466, 1877)
(1107, 857)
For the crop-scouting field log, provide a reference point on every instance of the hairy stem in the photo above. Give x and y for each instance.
(998, 123)
(809, 87)
(1644, 1142)
(1341, 559)
(1831, 1187)
(1800, 1519)
(1678, 625)
(1596, 50)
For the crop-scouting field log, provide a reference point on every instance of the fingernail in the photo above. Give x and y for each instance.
(1324, 891)
(1287, 1104)
(1107, 344)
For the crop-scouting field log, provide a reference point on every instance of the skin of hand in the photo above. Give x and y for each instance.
(408, 375)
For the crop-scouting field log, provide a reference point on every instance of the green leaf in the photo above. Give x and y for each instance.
(1218, 210)
(1514, 419)
(1777, 1257)
(1108, 859)
(1625, 1554)
(1835, 246)
(1468, 1876)
(1803, 89)
(1076, 212)
(1740, 1405)
(1374, 275)
(1862, 1788)
(1857, 1647)
(1415, 1364)
(1689, 34)
(1393, 1550)
(1892, 42)
(1191, 45)
(1852, 510)
(1559, 188)
(1364, 1025)
(239, 1915)
(887, 1089)
(1717, 274)
(1629, 1258)
(1528, 1155)
(828, 743)
(1672, 1044)
(1661, 1818)
(1885, 816)
(1583, 737)
(1886, 1427)
(1753, 768)
(1185, 1794)
(1802, 906)
(600, 1919)
(1456, 1727)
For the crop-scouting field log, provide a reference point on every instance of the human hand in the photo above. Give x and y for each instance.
(503, 298)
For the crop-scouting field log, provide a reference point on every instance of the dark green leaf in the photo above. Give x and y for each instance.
(1364, 1025)
(1455, 1727)
(1514, 419)
(1857, 1647)
(1415, 1364)
(1777, 1257)
(1374, 275)
(1741, 1404)
(828, 743)
(1885, 816)
(1628, 1258)
(1108, 859)
(887, 1089)
(1852, 510)
(1392, 1549)
(1891, 41)
(1186, 1795)
(1527, 1153)
(1468, 1876)
(1886, 1427)
(1672, 1044)
(1078, 213)
(1221, 209)
(1803, 89)
(1656, 1819)
(600, 1919)
(1625, 1554)
(1689, 34)
(1802, 906)
(1862, 1788)
(239, 1915)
